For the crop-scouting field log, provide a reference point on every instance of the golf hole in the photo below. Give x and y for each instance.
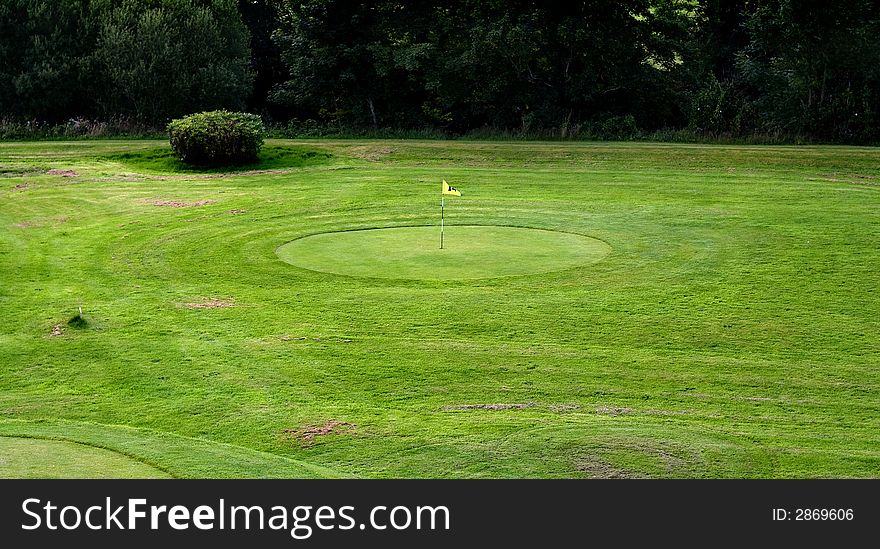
(469, 252)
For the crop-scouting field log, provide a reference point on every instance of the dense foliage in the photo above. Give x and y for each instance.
(592, 68)
(145, 60)
(217, 138)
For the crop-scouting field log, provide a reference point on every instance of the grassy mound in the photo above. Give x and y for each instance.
(163, 160)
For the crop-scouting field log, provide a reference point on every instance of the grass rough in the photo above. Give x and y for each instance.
(734, 330)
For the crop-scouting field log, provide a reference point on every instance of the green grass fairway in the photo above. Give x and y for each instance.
(468, 252)
(602, 310)
(32, 458)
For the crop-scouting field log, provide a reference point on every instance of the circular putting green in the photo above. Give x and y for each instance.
(468, 252)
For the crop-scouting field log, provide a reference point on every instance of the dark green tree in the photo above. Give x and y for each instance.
(354, 63)
(261, 19)
(466, 63)
(716, 101)
(46, 70)
(165, 58)
(814, 68)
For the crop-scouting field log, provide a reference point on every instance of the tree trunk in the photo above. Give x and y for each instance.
(373, 113)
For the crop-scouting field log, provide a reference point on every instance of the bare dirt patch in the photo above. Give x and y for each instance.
(853, 179)
(56, 331)
(210, 304)
(613, 411)
(596, 467)
(619, 411)
(463, 407)
(129, 176)
(562, 408)
(373, 154)
(635, 457)
(307, 433)
(30, 224)
(313, 338)
(63, 173)
(20, 187)
(279, 171)
(180, 204)
(196, 176)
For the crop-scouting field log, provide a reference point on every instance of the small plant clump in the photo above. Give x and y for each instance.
(217, 138)
(78, 322)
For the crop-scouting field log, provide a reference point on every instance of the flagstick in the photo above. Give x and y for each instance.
(441, 221)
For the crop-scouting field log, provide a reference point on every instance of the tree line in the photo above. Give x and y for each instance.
(611, 69)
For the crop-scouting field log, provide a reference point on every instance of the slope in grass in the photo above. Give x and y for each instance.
(35, 458)
(272, 157)
(148, 453)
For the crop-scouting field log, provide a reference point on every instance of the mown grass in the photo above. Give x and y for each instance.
(732, 331)
(36, 458)
(469, 252)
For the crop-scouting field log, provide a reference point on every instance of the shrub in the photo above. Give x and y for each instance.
(618, 128)
(217, 138)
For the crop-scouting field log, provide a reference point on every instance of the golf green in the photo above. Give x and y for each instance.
(469, 252)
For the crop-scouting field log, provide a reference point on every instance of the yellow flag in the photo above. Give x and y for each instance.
(450, 190)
